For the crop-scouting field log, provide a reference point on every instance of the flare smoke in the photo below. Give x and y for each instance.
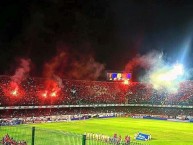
(22, 71)
(73, 66)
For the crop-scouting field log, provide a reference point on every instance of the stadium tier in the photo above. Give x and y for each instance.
(127, 111)
(38, 91)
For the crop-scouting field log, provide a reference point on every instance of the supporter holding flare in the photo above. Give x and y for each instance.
(13, 88)
(51, 91)
(13, 91)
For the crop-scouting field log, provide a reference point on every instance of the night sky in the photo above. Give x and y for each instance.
(113, 31)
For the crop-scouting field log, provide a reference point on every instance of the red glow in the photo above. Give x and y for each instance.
(51, 90)
(13, 91)
(126, 82)
(53, 94)
(45, 94)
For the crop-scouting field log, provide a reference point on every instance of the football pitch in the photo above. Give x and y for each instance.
(162, 132)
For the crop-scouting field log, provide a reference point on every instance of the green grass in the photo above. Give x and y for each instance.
(163, 132)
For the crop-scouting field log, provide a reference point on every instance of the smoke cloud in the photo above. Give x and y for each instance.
(147, 61)
(22, 71)
(71, 65)
(59, 81)
(161, 74)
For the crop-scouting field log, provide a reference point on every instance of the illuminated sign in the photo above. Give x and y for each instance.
(118, 76)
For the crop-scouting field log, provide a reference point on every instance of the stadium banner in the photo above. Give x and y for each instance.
(148, 105)
(25, 107)
(178, 120)
(191, 120)
(142, 136)
(94, 105)
(156, 118)
(131, 104)
(2, 108)
(137, 116)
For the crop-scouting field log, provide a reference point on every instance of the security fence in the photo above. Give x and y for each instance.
(26, 135)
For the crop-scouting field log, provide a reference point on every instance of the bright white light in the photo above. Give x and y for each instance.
(172, 73)
(167, 76)
(178, 69)
(14, 92)
(126, 82)
(53, 94)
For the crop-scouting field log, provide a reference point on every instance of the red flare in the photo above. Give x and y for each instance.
(14, 92)
(45, 94)
(126, 82)
(51, 90)
(12, 89)
(53, 94)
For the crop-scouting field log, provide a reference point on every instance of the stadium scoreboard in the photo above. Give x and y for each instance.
(118, 76)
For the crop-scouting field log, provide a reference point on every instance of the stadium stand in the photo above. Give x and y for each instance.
(47, 96)
(36, 91)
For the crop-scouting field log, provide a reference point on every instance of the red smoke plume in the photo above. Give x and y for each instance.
(73, 66)
(13, 88)
(21, 71)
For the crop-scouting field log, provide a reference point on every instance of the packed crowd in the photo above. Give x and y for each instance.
(33, 91)
(21, 115)
(7, 140)
(38, 91)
